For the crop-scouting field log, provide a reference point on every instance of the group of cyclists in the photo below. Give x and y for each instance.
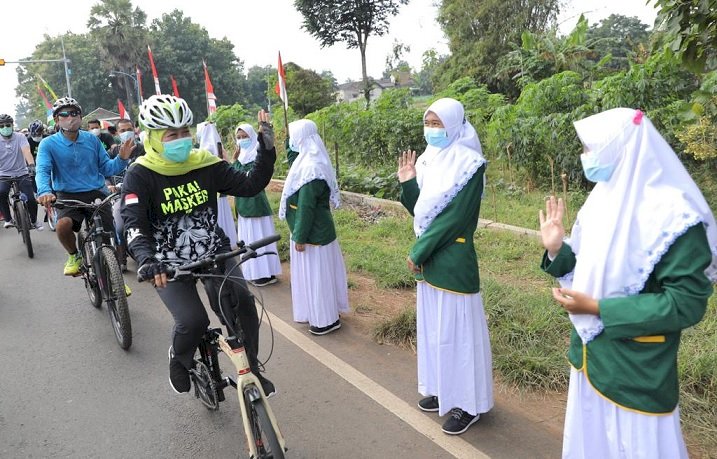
(167, 213)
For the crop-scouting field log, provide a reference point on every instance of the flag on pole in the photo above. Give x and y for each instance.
(48, 105)
(280, 87)
(175, 89)
(211, 98)
(122, 111)
(47, 86)
(139, 82)
(154, 71)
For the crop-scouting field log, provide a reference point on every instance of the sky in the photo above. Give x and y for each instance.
(260, 28)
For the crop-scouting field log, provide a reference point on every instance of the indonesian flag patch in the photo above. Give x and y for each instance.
(130, 199)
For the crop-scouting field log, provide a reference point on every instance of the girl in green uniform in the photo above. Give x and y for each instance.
(637, 270)
(319, 291)
(254, 220)
(443, 193)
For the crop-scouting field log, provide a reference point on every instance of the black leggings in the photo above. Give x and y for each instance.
(190, 316)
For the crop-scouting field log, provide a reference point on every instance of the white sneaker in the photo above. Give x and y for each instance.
(38, 227)
(9, 224)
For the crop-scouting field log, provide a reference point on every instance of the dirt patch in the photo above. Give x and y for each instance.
(372, 305)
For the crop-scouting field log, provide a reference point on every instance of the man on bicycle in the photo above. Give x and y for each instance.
(14, 160)
(169, 207)
(35, 134)
(73, 164)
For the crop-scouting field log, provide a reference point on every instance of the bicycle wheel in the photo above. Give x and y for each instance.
(23, 226)
(117, 306)
(88, 272)
(51, 218)
(262, 429)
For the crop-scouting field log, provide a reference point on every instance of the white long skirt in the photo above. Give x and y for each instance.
(319, 290)
(595, 427)
(225, 219)
(453, 347)
(250, 230)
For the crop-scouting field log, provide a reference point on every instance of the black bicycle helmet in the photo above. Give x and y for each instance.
(5, 118)
(36, 128)
(63, 102)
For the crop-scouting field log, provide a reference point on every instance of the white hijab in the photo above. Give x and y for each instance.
(247, 155)
(313, 163)
(208, 137)
(442, 173)
(629, 222)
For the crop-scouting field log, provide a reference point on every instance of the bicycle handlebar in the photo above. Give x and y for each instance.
(74, 203)
(247, 250)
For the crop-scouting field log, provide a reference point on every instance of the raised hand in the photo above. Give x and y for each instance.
(552, 230)
(406, 166)
(266, 130)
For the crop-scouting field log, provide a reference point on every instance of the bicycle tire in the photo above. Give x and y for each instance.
(23, 226)
(117, 306)
(262, 429)
(89, 275)
(51, 218)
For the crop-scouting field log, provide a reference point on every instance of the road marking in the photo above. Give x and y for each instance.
(454, 445)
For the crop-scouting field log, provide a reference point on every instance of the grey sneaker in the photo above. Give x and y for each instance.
(458, 422)
(429, 403)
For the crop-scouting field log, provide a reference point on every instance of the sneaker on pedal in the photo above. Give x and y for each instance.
(459, 421)
(72, 265)
(324, 330)
(37, 226)
(127, 290)
(178, 375)
(9, 224)
(267, 386)
(428, 403)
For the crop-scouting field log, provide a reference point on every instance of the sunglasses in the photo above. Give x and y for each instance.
(73, 114)
(5, 125)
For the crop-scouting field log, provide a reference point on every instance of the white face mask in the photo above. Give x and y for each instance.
(36, 139)
(95, 131)
(125, 136)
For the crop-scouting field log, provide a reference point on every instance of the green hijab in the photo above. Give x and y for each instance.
(154, 160)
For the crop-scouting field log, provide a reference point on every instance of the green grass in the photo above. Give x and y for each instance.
(529, 332)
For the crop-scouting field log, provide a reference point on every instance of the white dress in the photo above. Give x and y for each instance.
(252, 229)
(319, 290)
(454, 357)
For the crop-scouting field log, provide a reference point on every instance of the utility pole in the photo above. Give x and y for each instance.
(67, 71)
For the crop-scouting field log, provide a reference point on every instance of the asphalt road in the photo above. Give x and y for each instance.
(68, 390)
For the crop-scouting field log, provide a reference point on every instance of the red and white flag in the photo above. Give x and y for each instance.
(211, 98)
(280, 87)
(122, 111)
(175, 89)
(139, 82)
(131, 198)
(154, 71)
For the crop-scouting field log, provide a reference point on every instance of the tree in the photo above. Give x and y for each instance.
(307, 90)
(348, 21)
(120, 33)
(258, 81)
(178, 46)
(481, 31)
(619, 36)
(426, 77)
(692, 27)
(395, 63)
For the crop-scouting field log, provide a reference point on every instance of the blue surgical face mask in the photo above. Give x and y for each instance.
(126, 135)
(436, 137)
(6, 131)
(177, 150)
(594, 171)
(244, 144)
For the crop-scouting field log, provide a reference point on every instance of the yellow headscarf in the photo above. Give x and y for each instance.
(153, 158)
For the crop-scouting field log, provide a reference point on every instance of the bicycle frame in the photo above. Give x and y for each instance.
(22, 222)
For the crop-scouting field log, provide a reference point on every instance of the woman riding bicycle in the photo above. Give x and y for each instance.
(169, 207)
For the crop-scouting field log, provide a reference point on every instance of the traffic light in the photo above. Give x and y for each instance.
(2, 62)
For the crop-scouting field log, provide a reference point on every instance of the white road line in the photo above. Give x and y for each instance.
(454, 445)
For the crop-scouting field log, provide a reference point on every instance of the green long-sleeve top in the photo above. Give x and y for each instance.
(309, 215)
(633, 362)
(445, 251)
(254, 206)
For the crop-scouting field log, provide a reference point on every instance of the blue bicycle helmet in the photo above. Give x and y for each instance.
(36, 128)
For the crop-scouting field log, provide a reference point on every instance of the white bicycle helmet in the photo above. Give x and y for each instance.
(63, 102)
(165, 112)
